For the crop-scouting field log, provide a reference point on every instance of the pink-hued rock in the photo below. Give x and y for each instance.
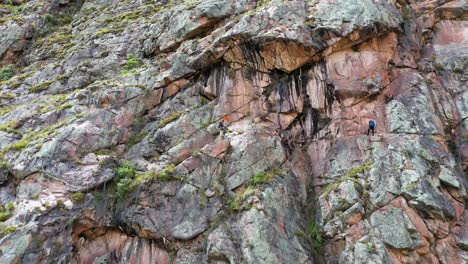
(448, 33)
(418, 222)
(446, 251)
(217, 149)
(360, 73)
(114, 244)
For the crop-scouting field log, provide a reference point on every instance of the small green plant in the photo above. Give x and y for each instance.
(236, 204)
(132, 63)
(4, 216)
(342, 199)
(7, 72)
(9, 230)
(313, 234)
(370, 247)
(10, 206)
(77, 196)
(127, 179)
(124, 175)
(104, 31)
(309, 23)
(5, 110)
(17, 145)
(4, 165)
(365, 194)
(125, 170)
(354, 171)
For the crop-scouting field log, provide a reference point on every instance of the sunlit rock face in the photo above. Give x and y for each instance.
(233, 131)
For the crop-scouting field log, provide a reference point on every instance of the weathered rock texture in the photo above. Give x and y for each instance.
(93, 90)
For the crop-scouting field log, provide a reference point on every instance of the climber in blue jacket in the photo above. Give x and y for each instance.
(371, 127)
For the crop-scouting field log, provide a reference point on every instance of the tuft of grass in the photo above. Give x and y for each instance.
(164, 175)
(60, 38)
(137, 138)
(350, 175)
(17, 145)
(9, 230)
(313, 235)
(40, 87)
(10, 206)
(266, 176)
(10, 127)
(353, 172)
(127, 179)
(370, 247)
(236, 204)
(4, 165)
(132, 63)
(125, 170)
(58, 107)
(6, 110)
(104, 31)
(170, 118)
(4, 216)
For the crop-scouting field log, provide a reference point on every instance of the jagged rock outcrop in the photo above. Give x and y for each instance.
(111, 149)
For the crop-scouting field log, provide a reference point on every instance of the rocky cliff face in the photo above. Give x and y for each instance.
(110, 150)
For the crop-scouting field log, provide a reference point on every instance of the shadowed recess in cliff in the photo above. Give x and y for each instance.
(216, 78)
(293, 97)
(251, 53)
(93, 243)
(329, 88)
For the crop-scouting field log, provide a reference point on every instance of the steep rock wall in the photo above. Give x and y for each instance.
(111, 150)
